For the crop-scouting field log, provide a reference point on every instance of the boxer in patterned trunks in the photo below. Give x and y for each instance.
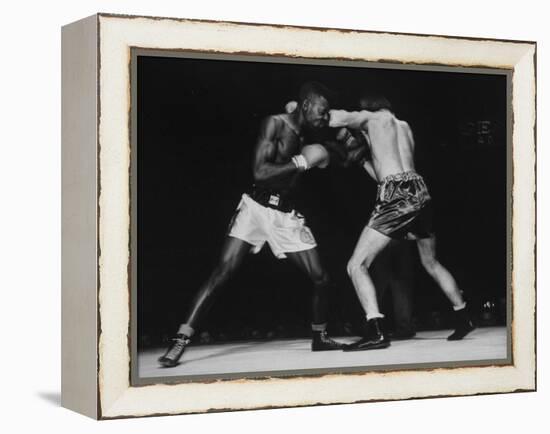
(266, 214)
(402, 211)
(403, 207)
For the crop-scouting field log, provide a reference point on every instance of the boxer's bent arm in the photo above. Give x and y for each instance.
(335, 148)
(265, 154)
(347, 153)
(346, 147)
(358, 148)
(357, 156)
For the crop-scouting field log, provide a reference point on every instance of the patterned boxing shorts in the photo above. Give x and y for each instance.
(403, 207)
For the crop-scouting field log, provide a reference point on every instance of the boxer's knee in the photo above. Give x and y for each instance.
(222, 272)
(355, 266)
(429, 262)
(320, 279)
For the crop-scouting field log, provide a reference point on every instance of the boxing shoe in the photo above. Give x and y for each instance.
(175, 351)
(321, 342)
(463, 325)
(375, 337)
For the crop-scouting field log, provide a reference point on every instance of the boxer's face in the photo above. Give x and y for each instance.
(316, 111)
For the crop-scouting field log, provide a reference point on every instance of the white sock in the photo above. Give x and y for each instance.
(319, 327)
(375, 315)
(459, 307)
(186, 330)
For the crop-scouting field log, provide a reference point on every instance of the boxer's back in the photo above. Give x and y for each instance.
(406, 145)
(391, 145)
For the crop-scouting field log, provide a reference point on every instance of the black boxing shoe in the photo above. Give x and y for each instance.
(464, 325)
(321, 342)
(175, 351)
(375, 337)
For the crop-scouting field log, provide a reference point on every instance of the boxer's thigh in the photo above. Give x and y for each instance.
(369, 245)
(310, 263)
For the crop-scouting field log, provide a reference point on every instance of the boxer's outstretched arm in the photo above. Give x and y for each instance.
(355, 120)
(266, 151)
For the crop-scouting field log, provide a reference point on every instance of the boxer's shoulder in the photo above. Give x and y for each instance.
(383, 116)
(275, 121)
(278, 116)
(403, 124)
(271, 125)
(285, 125)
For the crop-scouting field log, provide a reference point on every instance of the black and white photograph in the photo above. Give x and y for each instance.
(283, 217)
(295, 217)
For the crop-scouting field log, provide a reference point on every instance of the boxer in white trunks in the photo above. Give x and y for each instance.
(267, 215)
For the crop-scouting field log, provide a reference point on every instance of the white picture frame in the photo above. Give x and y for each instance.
(96, 277)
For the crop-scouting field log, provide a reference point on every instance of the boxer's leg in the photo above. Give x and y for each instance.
(310, 263)
(369, 245)
(380, 271)
(447, 283)
(232, 255)
(426, 249)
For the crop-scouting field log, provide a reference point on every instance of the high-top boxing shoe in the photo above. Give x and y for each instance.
(175, 351)
(321, 342)
(463, 325)
(375, 337)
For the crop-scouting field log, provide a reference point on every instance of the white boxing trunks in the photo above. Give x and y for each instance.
(256, 224)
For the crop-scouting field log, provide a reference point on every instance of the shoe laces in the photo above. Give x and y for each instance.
(325, 337)
(178, 345)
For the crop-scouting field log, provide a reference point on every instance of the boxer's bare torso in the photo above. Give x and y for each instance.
(279, 140)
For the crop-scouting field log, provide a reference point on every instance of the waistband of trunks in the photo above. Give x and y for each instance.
(281, 201)
(403, 176)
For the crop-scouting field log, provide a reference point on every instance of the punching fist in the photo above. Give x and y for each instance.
(312, 156)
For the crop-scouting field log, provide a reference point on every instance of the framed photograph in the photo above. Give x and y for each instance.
(260, 216)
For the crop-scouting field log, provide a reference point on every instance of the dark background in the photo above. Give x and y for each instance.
(197, 126)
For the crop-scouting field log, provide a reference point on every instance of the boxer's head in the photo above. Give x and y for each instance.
(314, 104)
(374, 102)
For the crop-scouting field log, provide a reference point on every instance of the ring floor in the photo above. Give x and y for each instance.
(427, 347)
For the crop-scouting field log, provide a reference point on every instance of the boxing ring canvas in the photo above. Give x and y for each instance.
(160, 116)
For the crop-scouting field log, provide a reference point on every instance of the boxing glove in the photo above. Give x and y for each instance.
(316, 156)
(291, 106)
